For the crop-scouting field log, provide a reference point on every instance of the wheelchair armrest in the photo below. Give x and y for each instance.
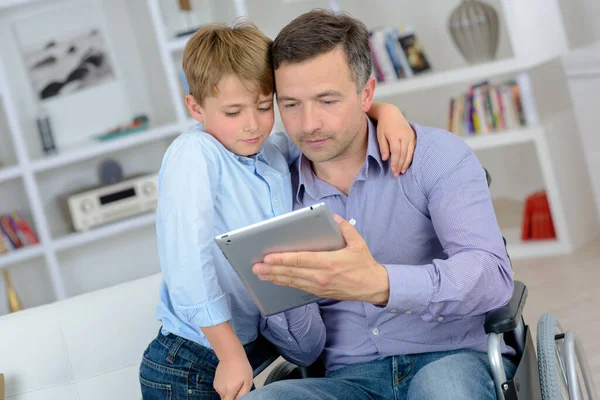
(508, 317)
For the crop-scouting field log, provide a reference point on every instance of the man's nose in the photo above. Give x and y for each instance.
(310, 120)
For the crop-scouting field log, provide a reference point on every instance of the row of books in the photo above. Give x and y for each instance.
(487, 108)
(15, 232)
(537, 219)
(396, 54)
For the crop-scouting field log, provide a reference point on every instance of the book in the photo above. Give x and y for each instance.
(8, 226)
(4, 247)
(487, 108)
(414, 52)
(396, 54)
(15, 232)
(25, 229)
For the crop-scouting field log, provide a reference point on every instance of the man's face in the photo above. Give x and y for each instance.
(320, 106)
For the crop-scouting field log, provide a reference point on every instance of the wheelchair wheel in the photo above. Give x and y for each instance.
(548, 351)
(285, 370)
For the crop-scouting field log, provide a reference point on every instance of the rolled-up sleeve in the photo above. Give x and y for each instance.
(185, 213)
(298, 334)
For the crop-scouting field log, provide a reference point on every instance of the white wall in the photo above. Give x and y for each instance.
(583, 68)
(581, 19)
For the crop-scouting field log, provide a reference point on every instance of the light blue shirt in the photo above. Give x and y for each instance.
(205, 190)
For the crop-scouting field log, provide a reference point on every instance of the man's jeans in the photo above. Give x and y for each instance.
(462, 374)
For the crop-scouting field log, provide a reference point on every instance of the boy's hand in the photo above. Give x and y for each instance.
(395, 136)
(233, 378)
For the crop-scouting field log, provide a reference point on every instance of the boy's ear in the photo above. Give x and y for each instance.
(368, 92)
(194, 108)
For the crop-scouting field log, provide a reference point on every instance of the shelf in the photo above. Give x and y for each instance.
(19, 255)
(8, 173)
(500, 139)
(518, 250)
(96, 148)
(80, 238)
(428, 80)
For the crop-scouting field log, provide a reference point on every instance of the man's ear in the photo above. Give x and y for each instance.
(368, 92)
(194, 108)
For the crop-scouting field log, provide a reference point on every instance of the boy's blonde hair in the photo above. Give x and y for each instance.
(217, 50)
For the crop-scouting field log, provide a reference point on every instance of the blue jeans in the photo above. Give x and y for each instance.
(175, 368)
(462, 374)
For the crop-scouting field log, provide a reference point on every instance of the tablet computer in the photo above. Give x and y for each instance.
(308, 229)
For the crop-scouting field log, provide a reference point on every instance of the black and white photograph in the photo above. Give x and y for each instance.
(67, 64)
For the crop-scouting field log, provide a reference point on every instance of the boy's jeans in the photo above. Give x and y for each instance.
(462, 374)
(175, 368)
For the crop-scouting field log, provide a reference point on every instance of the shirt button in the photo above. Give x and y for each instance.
(275, 201)
(279, 319)
(352, 221)
(393, 311)
(440, 319)
(408, 312)
(376, 331)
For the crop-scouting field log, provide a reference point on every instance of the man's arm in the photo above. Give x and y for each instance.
(476, 277)
(298, 334)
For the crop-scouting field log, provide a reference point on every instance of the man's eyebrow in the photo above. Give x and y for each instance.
(328, 93)
(286, 98)
(317, 96)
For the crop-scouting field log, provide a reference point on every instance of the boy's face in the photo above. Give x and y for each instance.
(236, 117)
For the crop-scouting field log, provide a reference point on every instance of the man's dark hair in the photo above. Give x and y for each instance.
(321, 31)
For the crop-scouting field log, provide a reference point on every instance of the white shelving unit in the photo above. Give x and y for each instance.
(533, 39)
(8, 173)
(94, 149)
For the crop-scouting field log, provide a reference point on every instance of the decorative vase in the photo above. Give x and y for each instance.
(14, 304)
(473, 26)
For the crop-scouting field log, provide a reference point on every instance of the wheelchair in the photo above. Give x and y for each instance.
(555, 373)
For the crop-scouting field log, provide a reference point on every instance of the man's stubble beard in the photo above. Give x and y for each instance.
(340, 143)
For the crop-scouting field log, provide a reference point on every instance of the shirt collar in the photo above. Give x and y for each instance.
(307, 181)
(249, 160)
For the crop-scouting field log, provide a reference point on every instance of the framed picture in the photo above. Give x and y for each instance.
(62, 65)
(69, 60)
(62, 57)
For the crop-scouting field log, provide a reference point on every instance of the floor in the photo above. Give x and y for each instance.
(568, 287)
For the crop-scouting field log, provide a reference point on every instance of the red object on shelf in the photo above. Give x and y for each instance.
(537, 218)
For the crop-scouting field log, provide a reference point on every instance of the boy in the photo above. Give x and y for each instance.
(221, 176)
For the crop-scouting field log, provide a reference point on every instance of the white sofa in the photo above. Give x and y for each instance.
(87, 347)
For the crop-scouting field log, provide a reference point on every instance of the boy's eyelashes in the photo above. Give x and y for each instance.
(236, 113)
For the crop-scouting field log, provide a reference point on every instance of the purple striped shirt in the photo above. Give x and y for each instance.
(435, 231)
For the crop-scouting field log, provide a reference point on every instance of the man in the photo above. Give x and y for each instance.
(425, 260)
